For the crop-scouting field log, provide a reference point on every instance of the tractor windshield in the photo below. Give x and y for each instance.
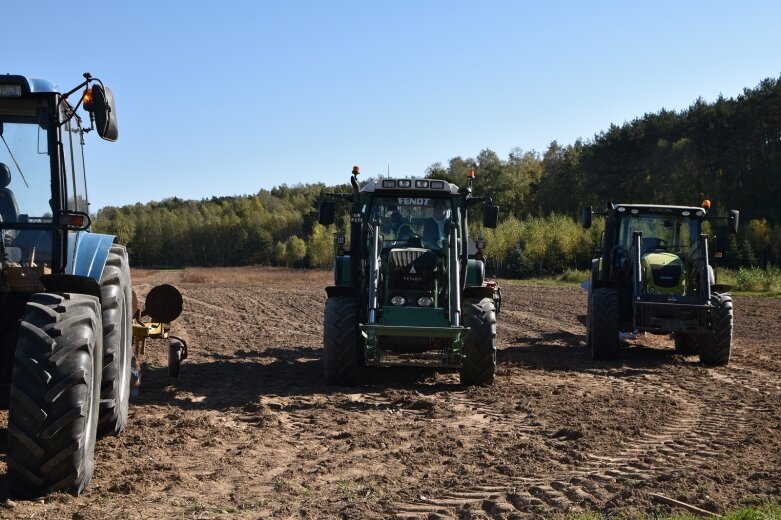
(25, 182)
(412, 221)
(674, 233)
(26, 166)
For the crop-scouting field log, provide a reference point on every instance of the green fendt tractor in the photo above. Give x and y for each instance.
(654, 276)
(65, 296)
(412, 289)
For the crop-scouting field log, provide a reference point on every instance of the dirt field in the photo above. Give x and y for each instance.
(249, 430)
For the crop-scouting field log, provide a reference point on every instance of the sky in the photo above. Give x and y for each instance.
(231, 97)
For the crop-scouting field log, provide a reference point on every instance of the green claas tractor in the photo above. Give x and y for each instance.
(412, 289)
(654, 276)
(65, 295)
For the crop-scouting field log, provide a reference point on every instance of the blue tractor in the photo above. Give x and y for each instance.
(65, 294)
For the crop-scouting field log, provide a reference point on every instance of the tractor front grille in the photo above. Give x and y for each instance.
(667, 275)
(411, 269)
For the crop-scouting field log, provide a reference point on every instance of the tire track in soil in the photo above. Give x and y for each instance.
(523, 322)
(704, 427)
(216, 314)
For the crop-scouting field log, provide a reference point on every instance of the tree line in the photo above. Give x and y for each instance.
(728, 151)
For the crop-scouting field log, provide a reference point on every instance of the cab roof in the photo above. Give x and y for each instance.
(29, 85)
(685, 211)
(410, 185)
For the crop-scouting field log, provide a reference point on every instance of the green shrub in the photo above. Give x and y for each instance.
(574, 276)
(756, 279)
(726, 276)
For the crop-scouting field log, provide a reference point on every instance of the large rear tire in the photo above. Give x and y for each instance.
(55, 392)
(116, 301)
(340, 343)
(604, 324)
(479, 364)
(716, 347)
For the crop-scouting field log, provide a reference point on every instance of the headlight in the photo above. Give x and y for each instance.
(398, 300)
(425, 301)
(10, 91)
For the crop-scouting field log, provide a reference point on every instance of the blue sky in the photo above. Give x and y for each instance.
(226, 98)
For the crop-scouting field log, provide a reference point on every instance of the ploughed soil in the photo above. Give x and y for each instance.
(249, 429)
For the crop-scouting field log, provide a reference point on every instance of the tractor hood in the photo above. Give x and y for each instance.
(663, 273)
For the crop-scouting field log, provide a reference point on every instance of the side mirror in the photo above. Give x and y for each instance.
(585, 218)
(734, 216)
(326, 212)
(105, 114)
(490, 216)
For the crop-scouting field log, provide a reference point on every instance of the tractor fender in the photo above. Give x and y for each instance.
(88, 257)
(475, 272)
(69, 283)
(479, 292)
(605, 284)
(334, 291)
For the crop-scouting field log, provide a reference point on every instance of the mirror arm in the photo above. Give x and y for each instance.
(88, 77)
(485, 199)
(87, 80)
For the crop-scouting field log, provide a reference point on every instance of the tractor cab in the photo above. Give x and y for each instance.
(43, 194)
(412, 235)
(666, 240)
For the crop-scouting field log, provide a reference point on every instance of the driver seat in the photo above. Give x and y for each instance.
(9, 211)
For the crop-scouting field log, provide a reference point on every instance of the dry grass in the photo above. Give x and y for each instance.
(141, 274)
(257, 275)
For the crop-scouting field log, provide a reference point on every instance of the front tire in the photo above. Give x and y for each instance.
(604, 324)
(116, 301)
(479, 364)
(340, 345)
(716, 347)
(55, 393)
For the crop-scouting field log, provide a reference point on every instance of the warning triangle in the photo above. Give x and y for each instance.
(412, 270)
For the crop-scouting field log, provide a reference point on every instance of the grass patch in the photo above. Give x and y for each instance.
(752, 281)
(573, 276)
(361, 489)
(766, 511)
